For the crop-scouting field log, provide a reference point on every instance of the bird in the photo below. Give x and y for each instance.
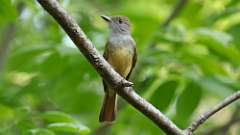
(120, 52)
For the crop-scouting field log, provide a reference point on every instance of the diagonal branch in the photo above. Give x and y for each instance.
(175, 12)
(105, 70)
(202, 118)
(235, 118)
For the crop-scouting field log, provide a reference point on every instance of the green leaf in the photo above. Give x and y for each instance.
(40, 131)
(6, 113)
(205, 62)
(194, 9)
(25, 124)
(171, 34)
(234, 30)
(215, 36)
(25, 57)
(48, 67)
(224, 14)
(187, 103)
(164, 95)
(215, 86)
(69, 127)
(217, 42)
(8, 12)
(55, 116)
(176, 33)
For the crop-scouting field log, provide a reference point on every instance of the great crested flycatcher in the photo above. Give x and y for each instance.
(120, 52)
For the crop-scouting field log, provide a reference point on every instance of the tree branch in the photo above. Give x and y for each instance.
(105, 70)
(8, 36)
(202, 118)
(223, 129)
(5, 44)
(175, 12)
(102, 130)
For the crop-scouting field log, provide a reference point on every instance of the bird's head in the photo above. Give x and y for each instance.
(118, 24)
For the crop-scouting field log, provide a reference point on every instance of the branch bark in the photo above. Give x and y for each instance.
(202, 118)
(235, 118)
(6, 42)
(102, 130)
(8, 36)
(116, 81)
(105, 70)
(175, 12)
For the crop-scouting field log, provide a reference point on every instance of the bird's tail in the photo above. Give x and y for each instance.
(108, 111)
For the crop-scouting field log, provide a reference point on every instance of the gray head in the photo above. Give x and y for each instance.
(118, 24)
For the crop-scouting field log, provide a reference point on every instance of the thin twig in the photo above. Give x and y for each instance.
(8, 37)
(105, 70)
(223, 129)
(212, 111)
(102, 130)
(5, 44)
(175, 12)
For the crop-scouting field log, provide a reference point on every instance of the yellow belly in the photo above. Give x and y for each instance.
(121, 60)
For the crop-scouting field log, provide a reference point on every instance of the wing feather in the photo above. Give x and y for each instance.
(105, 55)
(133, 62)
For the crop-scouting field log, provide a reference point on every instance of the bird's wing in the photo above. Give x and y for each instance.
(133, 62)
(105, 55)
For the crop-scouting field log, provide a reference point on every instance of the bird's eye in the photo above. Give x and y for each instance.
(120, 21)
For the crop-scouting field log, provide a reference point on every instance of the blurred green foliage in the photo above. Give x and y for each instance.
(47, 87)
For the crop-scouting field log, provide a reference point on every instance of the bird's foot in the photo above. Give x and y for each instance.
(126, 83)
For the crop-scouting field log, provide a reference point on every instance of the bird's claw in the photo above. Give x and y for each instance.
(126, 83)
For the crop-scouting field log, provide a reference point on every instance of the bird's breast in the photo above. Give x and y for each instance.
(120, 57)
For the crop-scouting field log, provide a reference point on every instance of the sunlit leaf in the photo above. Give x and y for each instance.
(55, 116)
(216, 36)
(227, 12)
(69, 127)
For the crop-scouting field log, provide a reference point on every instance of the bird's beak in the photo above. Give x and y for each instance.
(106, 18)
